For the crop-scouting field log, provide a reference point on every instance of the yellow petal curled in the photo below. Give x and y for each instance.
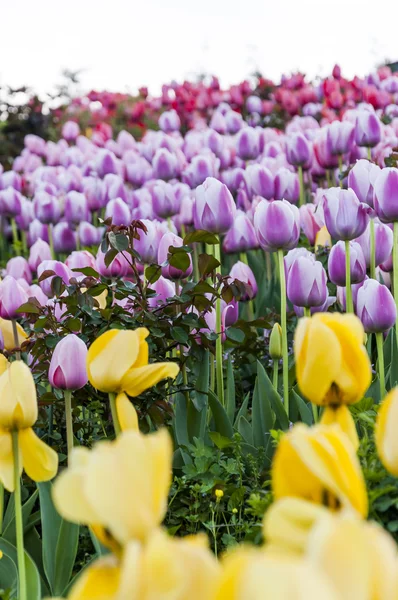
(127, 415)
(7, 460)
(8, 334)
(99, 581)
(386, 432)
(137, 380)
(341, 416)
(39, 460)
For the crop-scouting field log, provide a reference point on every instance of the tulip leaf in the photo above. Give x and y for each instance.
(243, 409)
(51, 524)
(221, 420)
(394, 361)
(199, 397)
(201, 236)
(282, 422)
(65, 555)
(9, 575)
(302, 407)
(245, 429)
(32, 574)
(180, 420)
(262, 416)
(9, 526)
(230, 395)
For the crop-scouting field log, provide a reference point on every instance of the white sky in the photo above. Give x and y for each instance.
(122, 44)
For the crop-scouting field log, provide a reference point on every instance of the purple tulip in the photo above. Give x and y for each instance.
(367, 129)
(119, 212)
(148, 243)
(287, 186)
(233, 121)
(330, 300)
(11, 179)
(75, 208)
(37, 230)
(18, 268)
(243, 273)
(345, 217)
(376, 307)
(241, 236)
(59, 269)
(35, 291)
(70, 131)
(170, 239)
(307, 283)
(383, 243)
(165, 165)
(260, 181)
(35, 144)
(46, 207)
(218, 122)
(39, 251)
(277, 225)
(214, 208)
(10, 202)
(12, 296)
(247, 143)
(294, 254)
(164, 289)
(341, 294)
(311, 221)
(81, 259)
(138, 172)
(26, 215)
(298, 150)
(95, 192)
(201, 167)
(105, 162)
(64, 238)
(336, 264)
(362, 178)
(88, 234)
(169, 121)
(386, 195)
(118, 267)
(68, 364)
(254, 104)
(340, 137)
(165, 201)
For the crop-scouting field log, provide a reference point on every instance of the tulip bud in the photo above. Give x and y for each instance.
(116, 269)
(39, 252)
(277, 225)
(64, 238)
(12, 296)
(275, 342)
(376, 307)
(287, 186)
(59, 269)
(260, 181)
(164, 289)
(336, 264)
(234, 121)
(88, 234)
(254, 104)
(214, 208)
(165, 165)
(307, 283)
(95, 192)
(10, 202)
(311, 221)
(26, 215)
(367, 129)
(169, 121)
(362, 178)
(241, 236)
(75, 208)
(345, 217)
(70, 131)
(386, 195)
(298, 150)
(11, 179)
(148, 243)
(80, 260)
(37, 230)
(243, 272)
(247, 143)
(18, 268)
(46, 207)
(105, 162)
(167, 240)
(340, 137)
(165, 201)
(68, 364)
(119, 212)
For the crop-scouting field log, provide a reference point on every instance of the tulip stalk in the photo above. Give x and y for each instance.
(250, 303)
(51, 240)
(340, 170)
(380, 364)
(285, 370)
(69, 424)
(16, 339)
(372, 250)
(302, 189)
(349, 304)
(395, 270)
(18, 519)
(219, 366)
(275, 374)
(115, 418)
(15, 239)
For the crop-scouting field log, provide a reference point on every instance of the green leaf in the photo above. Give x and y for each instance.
(207, 264)
(243, 409)
(180, 420)
(262, 417)
(65, 555)
(266, 387)
(29, 308)
(8, 575)
(110, 256)
(245, 429)
(179, 335)
(230, 394)
(179, 260)
(199, 397)
(51, 524)
(219, 440)
(201, 236)
(9, 529)
(235, 334)
(221, 420)
(32, 579)
(87, 271)
(302, 407)
(118, 241)
(152, 273)
(394, 361)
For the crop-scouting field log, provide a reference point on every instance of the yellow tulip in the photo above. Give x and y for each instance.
(323, 238)
(386, 432)
(288, 523)
(18, 401)
(8, 334)
(249, 574)
(164, 568)
(118, 362)
(332, 364)
(319, 464)
(126, 413)
(358, 558)
(342, 416)
(119, 488)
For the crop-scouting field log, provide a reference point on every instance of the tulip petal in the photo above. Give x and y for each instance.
(39, 460)
(7, 460)
(137, 380)
(99, 581)
(386, 432)
(4, 364)
(342, 416)
(126, 413)
(8, 334)
(143, 353)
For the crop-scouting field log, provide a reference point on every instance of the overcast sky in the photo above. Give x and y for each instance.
(123, 44)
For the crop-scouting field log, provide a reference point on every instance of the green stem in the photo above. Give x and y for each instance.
(196, 262)
(307, 311)
(50, 239)
(302, 189)
(349, 308)
(275, 374)
(329, 178)
(315, 412)
(372, 250)
(1, 507)
(268, 265)
(243, 258)
(115, 418)
(69, 423)
(212, 372)
(395, 270)
(380, 364)
(369, 154)
(284, 332)
(250, 310)
(16, 340)
(18, 519)
(15, 239)
(340, 170)
(24, 243)
(219, 365)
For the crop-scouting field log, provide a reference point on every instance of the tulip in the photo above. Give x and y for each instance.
(340, 137)
(10, 202)
(148, 242)
(118, 211)
(322, 238)
(243, 272)
(117, 268)
(345, 217)
(70, 131)
(386, 195)
(362, 178)
(233, 121)
(58, 268)
(64, 238)
(75, 208)
(241, 236)
(105, 162)
(9, 338)
(277, 225)
(337, 263)
(165, 164)
(214, 208)
(319, 464)
(68, 364)
(38, 231)
(367, 129)
(166, 202)
(11, 179)
(340, 415)
(247, 143)
(134, 506)
(260, 181)
(80, 260)
(168, 240)
(324, 159)
(169, 121)
(164, 289)
(298, 150)
(201, 167)
(332, 364)
(18, 268)
(88, 234)
(385, 432)
(307, 283)
(35, 144)
(12, 297)
(39, 252)
(311, 221)
(287, 186)
(46, 207)
(95, 192)
(383, 243)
